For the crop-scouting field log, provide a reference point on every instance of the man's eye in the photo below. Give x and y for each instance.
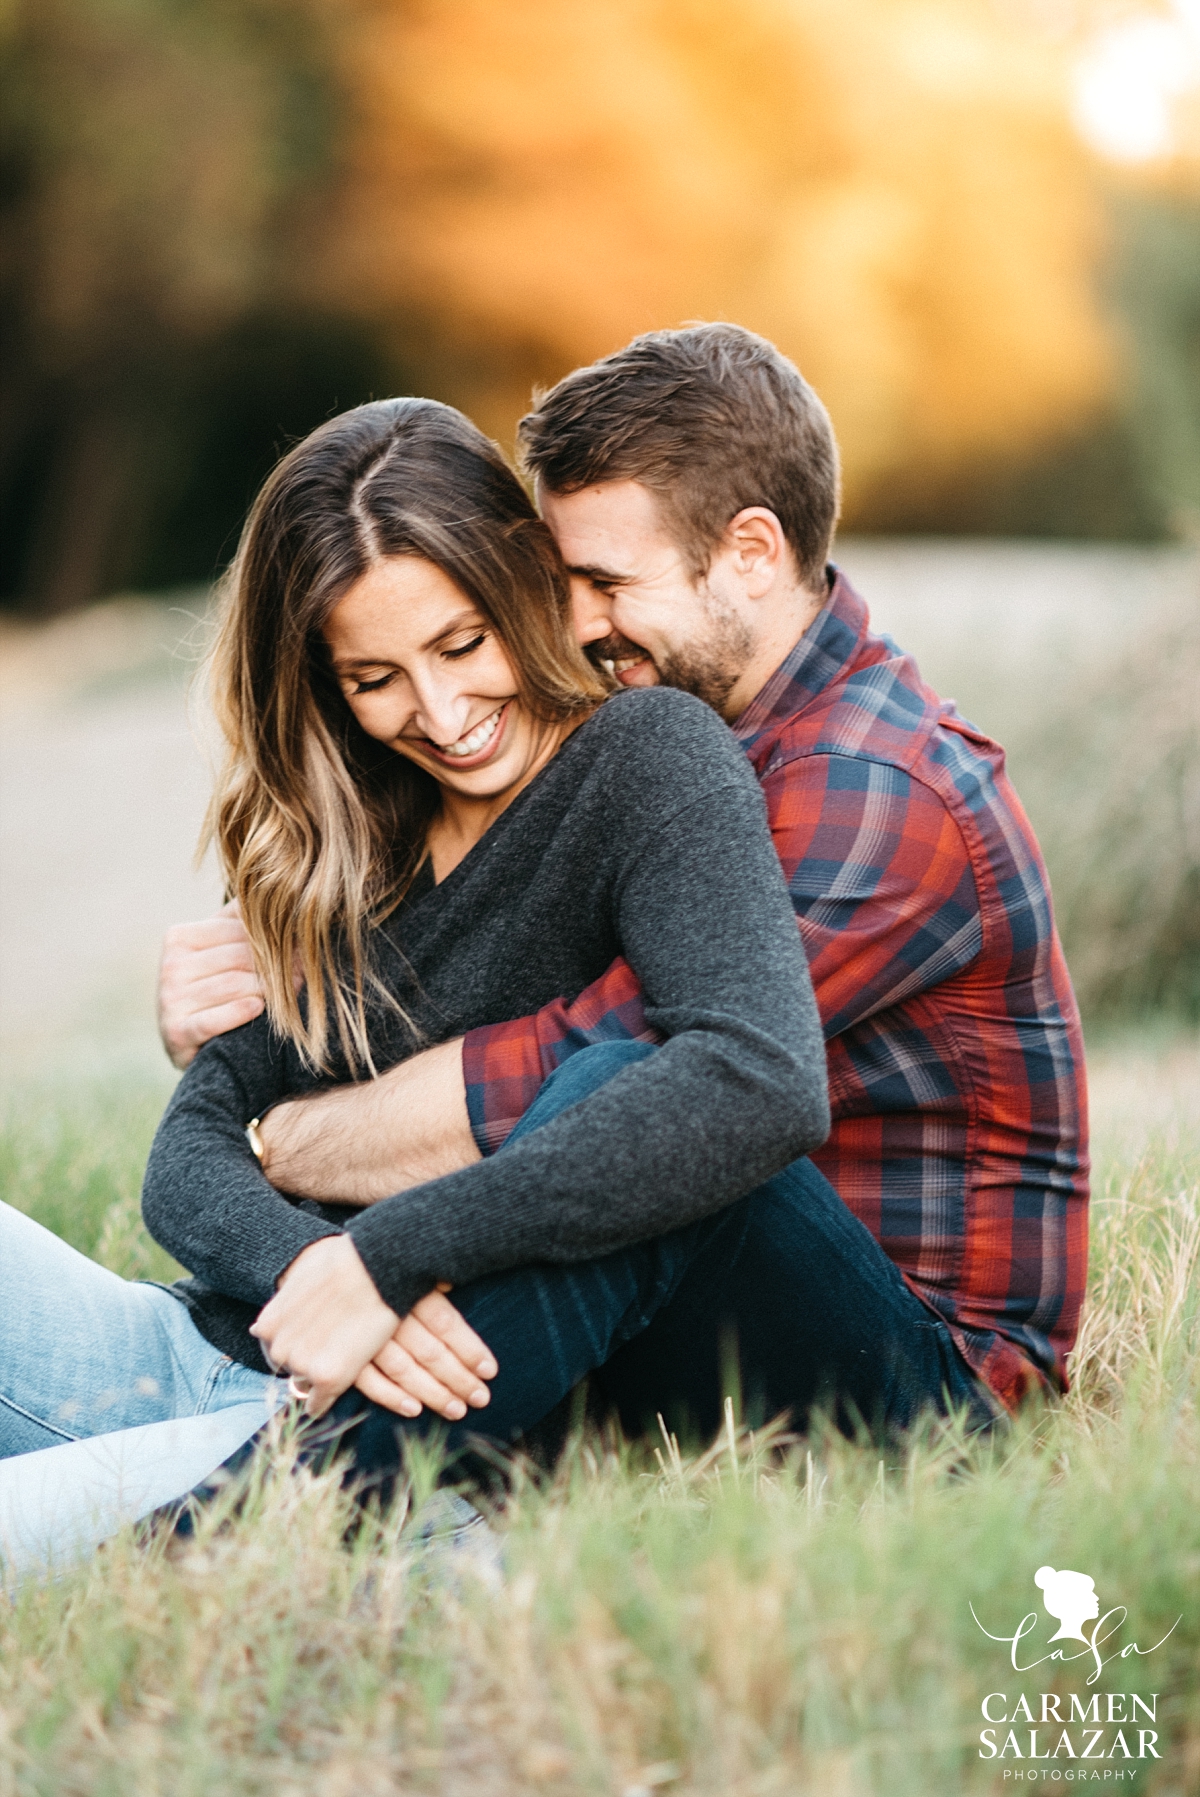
(371, 686)
(467, 648)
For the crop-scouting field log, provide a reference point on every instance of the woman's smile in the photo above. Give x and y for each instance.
(477, 745)
(424, 671)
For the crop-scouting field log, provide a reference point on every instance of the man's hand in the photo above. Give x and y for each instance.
(207, 983)
(358, 1144)
(328, 1326)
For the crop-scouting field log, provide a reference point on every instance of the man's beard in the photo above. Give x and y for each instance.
(711, 669)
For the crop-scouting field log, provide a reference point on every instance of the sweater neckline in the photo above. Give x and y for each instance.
(430, 889)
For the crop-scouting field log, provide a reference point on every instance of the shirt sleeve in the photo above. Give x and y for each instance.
(736, 1092)
(205, 1198)
(880, 880)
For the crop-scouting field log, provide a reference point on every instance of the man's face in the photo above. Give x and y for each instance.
(637, 605)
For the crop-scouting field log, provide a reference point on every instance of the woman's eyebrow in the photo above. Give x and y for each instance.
(469, 620)
(464, 620)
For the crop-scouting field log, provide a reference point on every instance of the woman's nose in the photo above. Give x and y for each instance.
(443, 709)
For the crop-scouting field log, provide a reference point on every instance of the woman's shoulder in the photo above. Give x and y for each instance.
(666, 716)
(666, 741)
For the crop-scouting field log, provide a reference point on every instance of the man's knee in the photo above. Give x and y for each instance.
(579, 1076)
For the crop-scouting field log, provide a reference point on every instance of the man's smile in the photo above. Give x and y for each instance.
(618, 655)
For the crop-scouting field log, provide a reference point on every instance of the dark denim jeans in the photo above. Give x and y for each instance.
(783, 1292)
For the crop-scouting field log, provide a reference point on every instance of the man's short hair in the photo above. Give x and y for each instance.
(711, 419)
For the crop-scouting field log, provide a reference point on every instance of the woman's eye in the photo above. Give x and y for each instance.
(371, 686)
(466, 649)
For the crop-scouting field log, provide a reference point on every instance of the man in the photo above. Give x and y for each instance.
(691, 483)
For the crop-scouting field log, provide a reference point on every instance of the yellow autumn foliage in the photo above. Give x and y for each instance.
(890, 189)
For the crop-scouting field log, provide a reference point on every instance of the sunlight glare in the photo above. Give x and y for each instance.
(1128, 79)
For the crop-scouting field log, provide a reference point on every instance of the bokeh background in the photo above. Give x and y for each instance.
(974, 223)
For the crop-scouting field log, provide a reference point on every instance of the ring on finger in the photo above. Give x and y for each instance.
(299, 1386)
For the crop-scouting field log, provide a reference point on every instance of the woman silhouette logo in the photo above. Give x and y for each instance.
(1070, 1597)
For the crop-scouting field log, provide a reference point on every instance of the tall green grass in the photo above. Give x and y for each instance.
(771, 1616)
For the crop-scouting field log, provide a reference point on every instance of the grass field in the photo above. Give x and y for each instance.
(762, 1618)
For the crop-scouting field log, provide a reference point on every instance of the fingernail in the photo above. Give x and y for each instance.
(455, 1409)
(487, 1369)
(480, 1396)
(412, 1408)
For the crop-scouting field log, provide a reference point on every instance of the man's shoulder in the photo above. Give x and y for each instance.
(879, 710)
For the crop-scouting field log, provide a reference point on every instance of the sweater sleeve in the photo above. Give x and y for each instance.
(205, 1198)
(737, 1091)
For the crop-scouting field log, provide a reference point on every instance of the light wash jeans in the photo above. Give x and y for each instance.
(111, 1401)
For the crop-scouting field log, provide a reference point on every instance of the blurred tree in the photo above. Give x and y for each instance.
(1157, 287)
(152, 150)
(225, 218)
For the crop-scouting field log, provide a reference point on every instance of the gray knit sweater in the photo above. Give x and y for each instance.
(646, 837)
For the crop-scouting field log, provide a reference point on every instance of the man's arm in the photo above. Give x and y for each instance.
(887, 907)
(360, 1143)
(350, 1146)
(884, 896)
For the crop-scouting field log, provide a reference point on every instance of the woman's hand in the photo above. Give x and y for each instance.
(326, 1322)
(328, 1326)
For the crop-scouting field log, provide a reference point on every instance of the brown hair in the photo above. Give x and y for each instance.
(319, 827)
(711, 419)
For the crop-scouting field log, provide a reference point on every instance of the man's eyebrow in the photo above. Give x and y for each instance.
(601, 577)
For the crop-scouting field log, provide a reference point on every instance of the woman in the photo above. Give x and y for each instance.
(432, 811)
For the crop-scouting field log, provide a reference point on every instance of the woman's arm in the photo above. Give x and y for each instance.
(204, 1197)
(737, 1091)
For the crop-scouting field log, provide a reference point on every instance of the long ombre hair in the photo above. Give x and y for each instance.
(320, 828)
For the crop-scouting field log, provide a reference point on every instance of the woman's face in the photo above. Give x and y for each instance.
(424, 673)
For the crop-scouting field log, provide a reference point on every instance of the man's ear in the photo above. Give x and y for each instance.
(757, 550)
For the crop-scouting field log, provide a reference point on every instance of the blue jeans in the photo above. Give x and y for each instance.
(83, 1352)
(784, 1292)
(111, 1401)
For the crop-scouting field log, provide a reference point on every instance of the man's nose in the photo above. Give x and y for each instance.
(592, 611)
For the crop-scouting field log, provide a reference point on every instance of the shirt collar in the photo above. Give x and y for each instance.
(826, 649)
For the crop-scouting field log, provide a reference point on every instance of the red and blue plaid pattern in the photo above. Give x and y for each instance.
(955, 1053)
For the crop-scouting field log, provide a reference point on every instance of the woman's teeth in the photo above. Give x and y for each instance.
(478, 738)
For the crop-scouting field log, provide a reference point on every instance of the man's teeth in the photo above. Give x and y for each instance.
(632, 661)
(478, 739)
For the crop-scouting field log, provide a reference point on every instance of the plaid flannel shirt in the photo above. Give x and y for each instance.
(955, 1054)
